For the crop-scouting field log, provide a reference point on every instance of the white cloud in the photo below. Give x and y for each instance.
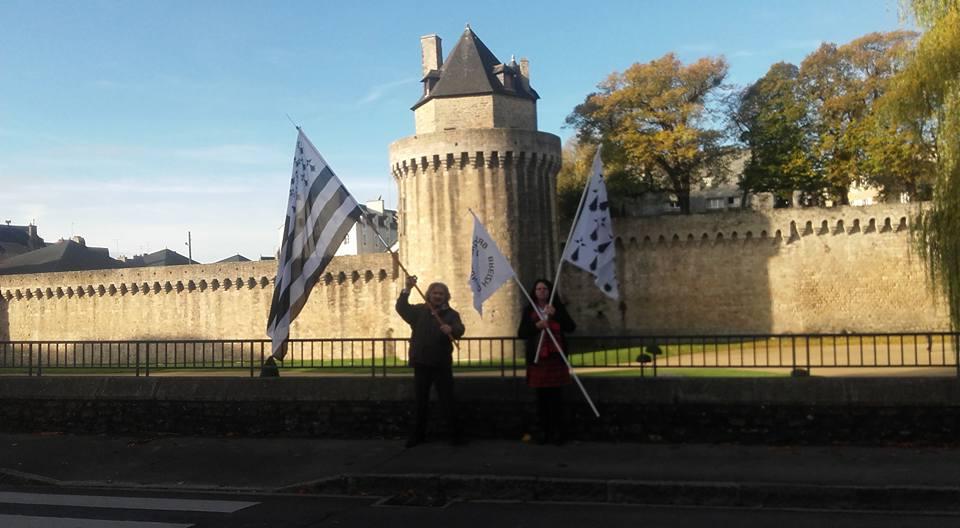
(98, 188)
(237, 154)
(377, 92)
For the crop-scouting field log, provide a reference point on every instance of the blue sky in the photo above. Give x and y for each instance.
(132, 122)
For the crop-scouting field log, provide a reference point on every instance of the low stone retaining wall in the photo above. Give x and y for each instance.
(769, 411)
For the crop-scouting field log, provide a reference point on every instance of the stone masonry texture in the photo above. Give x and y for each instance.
(799, 271)
(762, 411)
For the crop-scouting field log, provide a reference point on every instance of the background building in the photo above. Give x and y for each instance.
(362, 238)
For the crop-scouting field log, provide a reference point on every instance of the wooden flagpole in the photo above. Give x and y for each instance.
(433, 310)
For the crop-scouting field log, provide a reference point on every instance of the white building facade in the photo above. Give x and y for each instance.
(363, 239)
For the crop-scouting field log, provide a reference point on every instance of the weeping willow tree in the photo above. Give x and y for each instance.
(928, 89)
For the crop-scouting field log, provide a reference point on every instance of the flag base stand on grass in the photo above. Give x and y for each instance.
(270, 368)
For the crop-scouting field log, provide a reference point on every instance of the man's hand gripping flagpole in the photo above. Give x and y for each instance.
(433, 310)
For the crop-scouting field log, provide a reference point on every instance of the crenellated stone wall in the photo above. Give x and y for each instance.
(508, 178)
(843, 269)
(355, 297)
(796, 270)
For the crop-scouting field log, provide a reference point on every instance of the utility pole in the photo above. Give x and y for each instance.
(189, 248)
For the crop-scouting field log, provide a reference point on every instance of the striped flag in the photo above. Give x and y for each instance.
(320, 212)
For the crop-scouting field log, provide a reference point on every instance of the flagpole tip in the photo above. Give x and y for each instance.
(292, 122)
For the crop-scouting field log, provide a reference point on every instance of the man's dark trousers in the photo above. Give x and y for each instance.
(442, 377)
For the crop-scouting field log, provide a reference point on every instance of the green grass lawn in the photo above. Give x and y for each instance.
(685, 373)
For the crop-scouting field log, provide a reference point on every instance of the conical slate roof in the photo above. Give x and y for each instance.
(469, 70)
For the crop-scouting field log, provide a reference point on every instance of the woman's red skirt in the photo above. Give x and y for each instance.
(550, 371)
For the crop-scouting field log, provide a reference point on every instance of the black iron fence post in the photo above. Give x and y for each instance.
(793, 351)
(956, 352)
(251, 358)
(384, 347)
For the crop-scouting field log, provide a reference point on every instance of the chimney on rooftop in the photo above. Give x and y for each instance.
(525, 73)
(431, 55)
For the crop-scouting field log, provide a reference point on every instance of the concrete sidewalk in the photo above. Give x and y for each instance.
(903, 478)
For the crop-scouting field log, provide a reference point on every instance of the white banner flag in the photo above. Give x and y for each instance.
(489, 269)
(591, 246)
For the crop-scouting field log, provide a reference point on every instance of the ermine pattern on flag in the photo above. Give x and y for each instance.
(591, 246)
(320, 213)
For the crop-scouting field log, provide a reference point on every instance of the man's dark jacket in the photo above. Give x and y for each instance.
(428, 345)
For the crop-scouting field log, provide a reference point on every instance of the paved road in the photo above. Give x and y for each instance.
(63, 508)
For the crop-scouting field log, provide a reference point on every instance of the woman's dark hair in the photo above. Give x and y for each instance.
(549, 285)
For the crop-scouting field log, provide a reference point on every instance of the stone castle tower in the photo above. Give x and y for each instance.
(476, 148)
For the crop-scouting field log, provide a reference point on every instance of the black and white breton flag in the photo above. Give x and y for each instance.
(320, 212)
(591, 246)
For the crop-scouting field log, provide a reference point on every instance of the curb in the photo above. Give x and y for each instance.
(438, 488)
(20, 478)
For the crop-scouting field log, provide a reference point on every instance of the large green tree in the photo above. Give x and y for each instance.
(929, 87)
(770, 118)
(653, 121)
(841, 85)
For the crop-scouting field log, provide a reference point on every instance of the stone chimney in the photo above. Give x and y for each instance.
(431, 53)
(525, 73)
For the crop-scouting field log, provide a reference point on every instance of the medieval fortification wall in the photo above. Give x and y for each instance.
(507, 177)
(217, 301)
(794, 270)
(842, 269)
(798, 270)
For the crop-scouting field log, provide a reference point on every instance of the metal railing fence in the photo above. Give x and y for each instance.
(499, 356)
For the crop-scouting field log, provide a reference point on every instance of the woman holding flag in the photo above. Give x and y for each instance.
(547, 372)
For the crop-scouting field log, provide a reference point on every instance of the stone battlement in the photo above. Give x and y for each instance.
(475, 148)
(489, 159)
(775, 227)
(179, 279)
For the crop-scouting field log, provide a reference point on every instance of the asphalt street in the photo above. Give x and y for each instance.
(82, 508)
(78, 481)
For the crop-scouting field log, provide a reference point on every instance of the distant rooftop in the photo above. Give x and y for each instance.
(236, 258)
(164, 257)
(65, 255)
